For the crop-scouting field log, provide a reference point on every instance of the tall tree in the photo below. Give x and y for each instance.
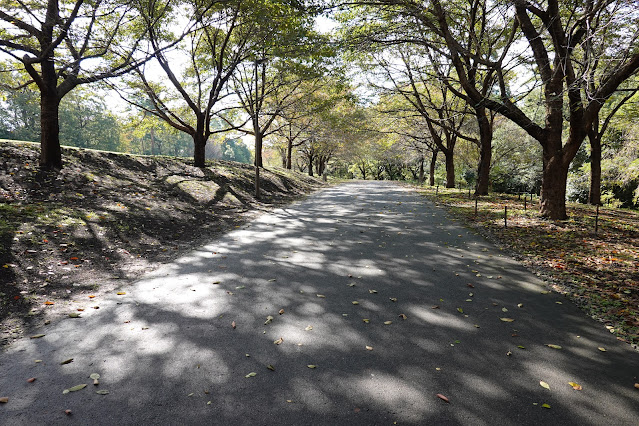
(61, 44)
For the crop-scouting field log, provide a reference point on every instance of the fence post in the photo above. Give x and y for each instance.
(525, 203)
(437, 190)
(505, 216)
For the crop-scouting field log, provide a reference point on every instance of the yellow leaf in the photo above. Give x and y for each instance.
(575, 386)
(544, 385)
(507, 319)
(369, 348)
(601, 349)
(554, 346)
(121, 293)
(312, 366)
(355, 302)
(279, 341)
(388, 322)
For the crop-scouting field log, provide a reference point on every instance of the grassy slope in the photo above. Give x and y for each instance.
(599, 272)
(107, 217)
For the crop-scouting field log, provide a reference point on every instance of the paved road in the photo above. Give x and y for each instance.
(168, 354)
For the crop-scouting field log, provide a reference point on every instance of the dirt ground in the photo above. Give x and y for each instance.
(107, 218)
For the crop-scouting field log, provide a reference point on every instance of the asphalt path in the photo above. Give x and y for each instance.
(386, 303)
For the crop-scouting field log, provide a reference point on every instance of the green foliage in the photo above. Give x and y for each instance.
(235, 150)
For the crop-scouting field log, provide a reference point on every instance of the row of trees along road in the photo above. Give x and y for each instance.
(577, 53)
(443, 72)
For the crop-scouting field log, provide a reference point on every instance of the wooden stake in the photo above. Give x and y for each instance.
(505, 216)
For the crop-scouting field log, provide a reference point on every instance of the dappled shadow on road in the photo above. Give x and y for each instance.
(341, 265)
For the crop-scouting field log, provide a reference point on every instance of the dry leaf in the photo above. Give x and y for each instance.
(601, 349)
(544, 385)
(281, 312)
(554, 346)
(67, 412)
(435, 307)
(507, 319)
(121, 293)
(372, 291)
(4, 399)
(37, 336)
(402, 316)
(369, 348)
(312, 366)
(366, 320)
(279, 341)
(270, 367)
(74, 315)
(233, 324)
(251, 374)
(355, 302)
(443, 398)
(393, 299)
(67, 361)
(31, 380)
(308, 328)
(321, 296)
(575, 386)
(48, 302)
(388, 322)
(636, 385)
(504, 310)
(269, 319)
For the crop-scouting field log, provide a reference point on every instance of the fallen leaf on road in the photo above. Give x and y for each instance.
(308, 328)
(311, 366)
(37, 336)
(67, 361)
(460, 310)
(443, 398)
(321, 296)
(91, 297)
(233, 324)
(269, 319)
(504, 310)
(636, 385)
(372, 291)
(366, 320)
(67, 412)
(435, 307)
(48, 302)
(507, 319)
(554, 346)
(601, 349)
(545, 405)
(369, 348)
(575, 386)
(251, 374)
(520, 305)
(281, 312)
(402, 316)
(75, 388)
(279, 341)
(355, 302)
(388, 322)
(544, 385)
(121, 293)
(393, 299)
(31, 380)
(270, 367)
(102, 392)
(74, 315)
(95, 377)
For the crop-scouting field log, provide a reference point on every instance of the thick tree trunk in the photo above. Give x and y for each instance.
(450, 169)
(594, 196)
(485, 151)
(431, 169)
(199, 150)
(50, 150)
(553, 187)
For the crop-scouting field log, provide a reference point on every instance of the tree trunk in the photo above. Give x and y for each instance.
(258, 146)
(310, 166)
(289, 155)
(485, 151)
(431, 169)
(553, 187)
(199, 150)
(594, 196)
(421, 170)
(50, 150)
(450, 169)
